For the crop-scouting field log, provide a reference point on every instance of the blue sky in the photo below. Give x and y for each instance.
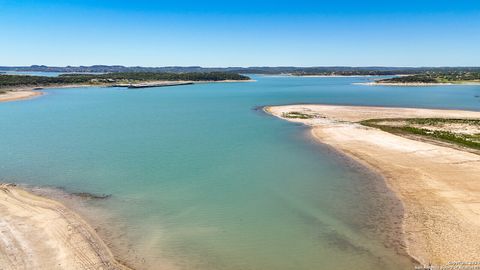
(240, 33)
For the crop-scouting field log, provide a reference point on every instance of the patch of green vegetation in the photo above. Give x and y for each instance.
(440, 121)
(437, 77)
(471, 141)
(120, 77)
(297, 115)
(466, 140)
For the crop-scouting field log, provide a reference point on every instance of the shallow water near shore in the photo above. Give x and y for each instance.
(202, 179)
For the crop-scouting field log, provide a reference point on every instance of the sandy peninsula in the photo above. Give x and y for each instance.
(39, 233)
(439, 186)
(19, 95)
(29, 92)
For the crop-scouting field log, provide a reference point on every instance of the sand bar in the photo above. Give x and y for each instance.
(39, 233)
(18, 95)
(438, 185)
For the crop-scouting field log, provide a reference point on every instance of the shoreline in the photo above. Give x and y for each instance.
(321, 76)
(415, 84)
(437, 185)
(28, 92)
(38, 232)
(334, 76)
(388, 228)
(19, 95)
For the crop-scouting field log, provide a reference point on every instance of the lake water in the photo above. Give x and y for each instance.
(202, 179)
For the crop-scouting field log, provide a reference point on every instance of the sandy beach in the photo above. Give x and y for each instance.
(19, 95)
(39, 233)
(439, 186)
(28, 92)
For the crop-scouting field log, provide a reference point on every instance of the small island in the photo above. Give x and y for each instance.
(432, 78)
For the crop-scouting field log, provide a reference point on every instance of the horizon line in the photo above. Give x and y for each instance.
(263, 66)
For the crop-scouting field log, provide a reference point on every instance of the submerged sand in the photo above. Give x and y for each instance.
(439, 186)
(39, 233)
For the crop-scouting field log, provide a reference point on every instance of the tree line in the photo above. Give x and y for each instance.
(120, 77)
(435, 77)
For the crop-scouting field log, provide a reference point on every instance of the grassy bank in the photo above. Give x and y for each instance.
(462, 132)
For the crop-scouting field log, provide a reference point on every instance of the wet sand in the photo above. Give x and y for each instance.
(439, 186)
(40, 233)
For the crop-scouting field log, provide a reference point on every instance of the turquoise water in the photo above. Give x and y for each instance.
(201, 179)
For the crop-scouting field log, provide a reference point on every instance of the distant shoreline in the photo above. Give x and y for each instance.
(438, 185)
(415, 84)
(328, 76)
(322, 76)
(28, 92)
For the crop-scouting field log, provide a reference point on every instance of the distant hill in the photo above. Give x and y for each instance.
(295, 71)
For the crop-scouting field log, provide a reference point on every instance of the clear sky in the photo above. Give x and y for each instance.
(240, 33)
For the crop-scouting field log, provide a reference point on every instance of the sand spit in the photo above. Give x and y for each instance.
(39, 233)
(18, 95)
(439, 186)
